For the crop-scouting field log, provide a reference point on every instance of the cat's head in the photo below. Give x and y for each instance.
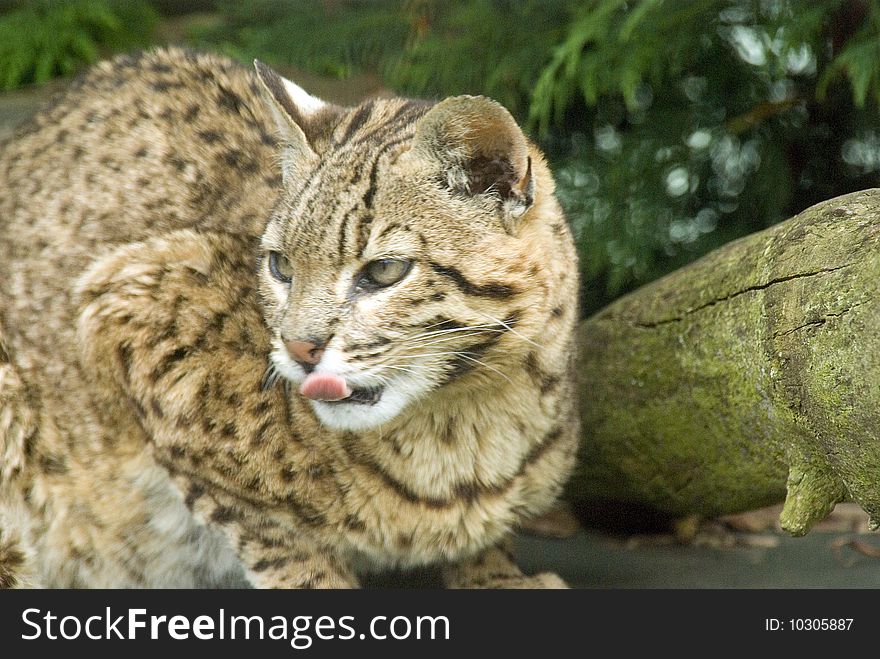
(408, 253)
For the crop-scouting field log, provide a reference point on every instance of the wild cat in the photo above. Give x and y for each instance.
(254, 338)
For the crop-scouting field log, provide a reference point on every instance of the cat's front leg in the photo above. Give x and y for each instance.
(292, 565)
(496, 567)
(271, 547)
(273, 551)
(170, 350)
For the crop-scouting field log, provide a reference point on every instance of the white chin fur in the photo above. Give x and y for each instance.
(396, 395)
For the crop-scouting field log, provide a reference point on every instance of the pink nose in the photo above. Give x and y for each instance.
(304, 352)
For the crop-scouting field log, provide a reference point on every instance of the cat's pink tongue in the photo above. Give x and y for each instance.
(323, 386)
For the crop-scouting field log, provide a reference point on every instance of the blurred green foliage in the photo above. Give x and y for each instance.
(42, 39)
(425, 48)
(322, 38)
(698, 122)
(673, 126)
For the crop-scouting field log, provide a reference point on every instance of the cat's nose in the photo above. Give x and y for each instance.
(305, 353)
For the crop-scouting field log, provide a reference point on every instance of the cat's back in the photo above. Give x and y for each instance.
(140, 145)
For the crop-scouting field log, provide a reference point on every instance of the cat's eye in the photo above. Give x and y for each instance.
(382, 273)
(280, 267)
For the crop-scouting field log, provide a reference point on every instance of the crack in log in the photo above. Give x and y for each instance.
(750, 289)
(813, 323)
(817, 322)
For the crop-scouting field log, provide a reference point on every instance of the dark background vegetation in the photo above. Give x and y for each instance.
(672, 126)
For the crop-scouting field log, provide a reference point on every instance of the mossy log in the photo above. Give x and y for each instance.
(748, 377)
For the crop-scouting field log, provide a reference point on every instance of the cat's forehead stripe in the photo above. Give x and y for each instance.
(407, 112)
(337, 210)
(360, 117)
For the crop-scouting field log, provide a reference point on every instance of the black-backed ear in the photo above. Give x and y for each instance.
(302, 120)
(479, 150)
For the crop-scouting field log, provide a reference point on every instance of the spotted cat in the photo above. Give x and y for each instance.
(254, 338)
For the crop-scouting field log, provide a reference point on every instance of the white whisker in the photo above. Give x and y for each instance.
(484, 364)
(465, 355)
(513, 331)
(405, 369)
(445, 340)
(466, 328)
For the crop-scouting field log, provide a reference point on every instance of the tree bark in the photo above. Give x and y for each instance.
(748, 377)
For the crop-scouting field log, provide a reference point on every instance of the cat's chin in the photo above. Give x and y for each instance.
(356, 415)
(371, 404)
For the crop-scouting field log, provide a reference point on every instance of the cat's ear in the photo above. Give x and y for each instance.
(480, 151)
(302, 120)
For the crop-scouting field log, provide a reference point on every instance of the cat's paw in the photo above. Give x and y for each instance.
(542, 581)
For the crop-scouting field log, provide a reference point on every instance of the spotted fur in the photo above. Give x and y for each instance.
(151, 429)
